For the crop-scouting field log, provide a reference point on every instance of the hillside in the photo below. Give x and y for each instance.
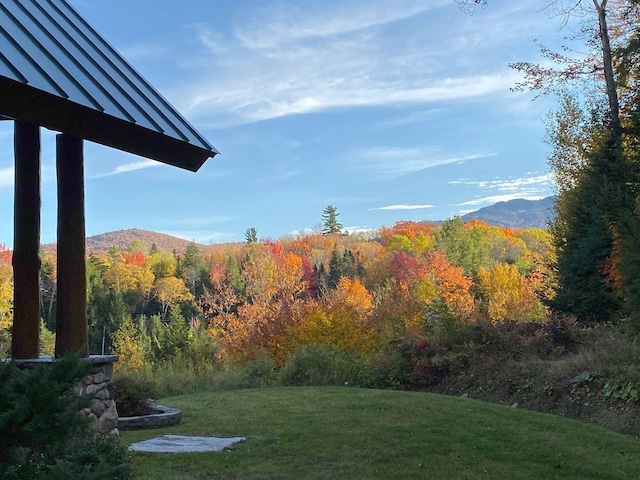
(518, 213)
(123, 238)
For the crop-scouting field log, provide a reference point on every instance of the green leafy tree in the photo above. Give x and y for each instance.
(463, 247)
(193, 270)
(330, 224)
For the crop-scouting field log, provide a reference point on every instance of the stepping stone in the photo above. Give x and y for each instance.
(184, 444)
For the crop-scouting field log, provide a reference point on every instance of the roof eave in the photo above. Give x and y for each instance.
(29, 104)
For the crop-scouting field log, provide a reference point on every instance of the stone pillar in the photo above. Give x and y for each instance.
(71, 312)
(26, 242)
(102, 409)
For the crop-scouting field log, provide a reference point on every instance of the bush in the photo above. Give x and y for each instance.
(131, 394)
(262, 370)
(43, 435)
(326, 365)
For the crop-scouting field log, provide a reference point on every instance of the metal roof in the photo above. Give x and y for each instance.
(58, 72)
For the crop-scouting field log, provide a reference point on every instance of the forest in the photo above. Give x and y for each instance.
(268, 298)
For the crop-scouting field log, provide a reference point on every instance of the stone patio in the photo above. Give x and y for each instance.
(184, 444)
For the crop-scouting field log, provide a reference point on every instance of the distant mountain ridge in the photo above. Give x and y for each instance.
(123, 238)
(518, 213)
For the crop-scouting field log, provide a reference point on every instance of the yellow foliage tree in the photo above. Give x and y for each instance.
(507, 295)
(6, 296)
(170, 291)
(123, 277)
(162, 264)
(129, 348)
(341, 320)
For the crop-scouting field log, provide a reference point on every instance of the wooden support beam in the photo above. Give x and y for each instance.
(26, 242)
(71, 312)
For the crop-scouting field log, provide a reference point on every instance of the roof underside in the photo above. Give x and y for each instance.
(58, 72)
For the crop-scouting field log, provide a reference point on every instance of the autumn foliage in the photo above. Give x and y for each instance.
(273, 297)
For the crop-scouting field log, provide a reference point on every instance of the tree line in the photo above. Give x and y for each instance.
(241, 301)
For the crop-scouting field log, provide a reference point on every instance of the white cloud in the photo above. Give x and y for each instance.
(202, 236)
(526, 195)
(388, 162)
(6, 177)
(277, 26)
(506, 185)
(130, 167)
(288, 60)
(284, 91)
(403, 207)
(358, 229)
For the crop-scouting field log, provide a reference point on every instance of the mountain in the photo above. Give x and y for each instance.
(123, 238)
(518, 213)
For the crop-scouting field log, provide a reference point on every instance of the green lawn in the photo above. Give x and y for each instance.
(349, 433)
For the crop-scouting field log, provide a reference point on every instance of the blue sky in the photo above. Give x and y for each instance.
(389, 110)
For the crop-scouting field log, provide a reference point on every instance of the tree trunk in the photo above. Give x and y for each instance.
(609, 76)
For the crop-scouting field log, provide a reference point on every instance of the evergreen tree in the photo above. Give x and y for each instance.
(193, 270)
(234, 276)
(330, 224)
(335, 269)
(251, 235)
(593, 227)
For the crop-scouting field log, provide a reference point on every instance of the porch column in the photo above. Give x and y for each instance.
(26, 242)
(71, 312)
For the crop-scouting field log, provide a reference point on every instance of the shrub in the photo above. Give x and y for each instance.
(42, 433)
(263, 370)
(131, 394)
(326, 365)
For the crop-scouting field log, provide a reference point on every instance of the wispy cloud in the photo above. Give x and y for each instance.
(286, 60)
(130, 167)
(529, 187)
(500, 198)
(202, 236)
(511, 184)
(6, 177)
(358, 229)
(277, 26)
(388, 162)
(403, 207)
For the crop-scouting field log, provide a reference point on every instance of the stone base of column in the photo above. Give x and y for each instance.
(102, 409)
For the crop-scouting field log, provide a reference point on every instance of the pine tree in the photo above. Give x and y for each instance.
(330, 224)
(251, 235)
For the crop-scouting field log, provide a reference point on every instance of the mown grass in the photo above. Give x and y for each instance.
(351, 433)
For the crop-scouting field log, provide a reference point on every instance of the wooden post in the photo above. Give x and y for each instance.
(71, 312)
(26, 242)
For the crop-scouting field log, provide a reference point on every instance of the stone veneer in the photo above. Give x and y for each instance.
(102, 409)
(97, 384)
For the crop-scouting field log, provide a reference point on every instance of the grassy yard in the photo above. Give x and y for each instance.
(350, 433)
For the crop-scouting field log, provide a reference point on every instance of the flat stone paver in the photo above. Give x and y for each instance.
(184, 444)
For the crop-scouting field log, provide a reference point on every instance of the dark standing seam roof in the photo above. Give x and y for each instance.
(58, 72)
